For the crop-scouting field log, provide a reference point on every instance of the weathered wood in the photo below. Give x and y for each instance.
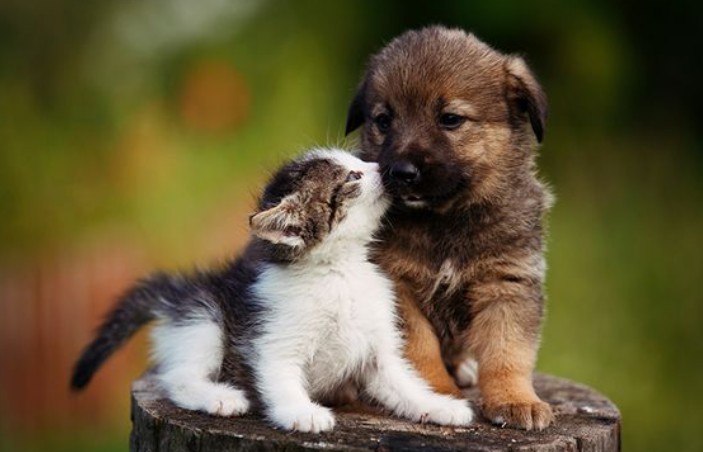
(586, 421)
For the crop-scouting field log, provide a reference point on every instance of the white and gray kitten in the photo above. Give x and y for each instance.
(300, 315)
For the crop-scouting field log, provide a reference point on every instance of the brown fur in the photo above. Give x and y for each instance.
(468, 262)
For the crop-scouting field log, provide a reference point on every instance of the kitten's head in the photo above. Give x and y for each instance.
(327, 196)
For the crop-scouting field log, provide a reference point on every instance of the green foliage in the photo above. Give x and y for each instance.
(95, 136)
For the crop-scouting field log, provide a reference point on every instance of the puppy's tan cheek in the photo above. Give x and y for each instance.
(469, 146)
(459, 140)
(374, 142)
(479, 142)
(494, 143)
(376, 136)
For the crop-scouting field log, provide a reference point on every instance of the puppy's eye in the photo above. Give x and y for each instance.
(450, 121)
(353, 176)
(383, 122)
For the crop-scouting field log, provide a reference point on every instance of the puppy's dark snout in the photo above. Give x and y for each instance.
(404, 171)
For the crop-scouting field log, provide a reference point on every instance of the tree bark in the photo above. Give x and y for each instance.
(585, 421)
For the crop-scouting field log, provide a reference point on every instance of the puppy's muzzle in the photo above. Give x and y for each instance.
(416, 184)
(404, 171)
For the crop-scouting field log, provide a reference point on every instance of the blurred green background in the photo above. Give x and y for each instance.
(136, 134)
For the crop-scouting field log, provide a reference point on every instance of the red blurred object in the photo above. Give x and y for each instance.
(50, 306)
(214, 97)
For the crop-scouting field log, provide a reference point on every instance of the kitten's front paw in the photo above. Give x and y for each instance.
(225, 401)
(304, 418)
(449, 411)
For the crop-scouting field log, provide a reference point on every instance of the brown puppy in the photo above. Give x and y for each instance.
(454, 124)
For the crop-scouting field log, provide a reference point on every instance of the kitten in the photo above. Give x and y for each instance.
(299, 316)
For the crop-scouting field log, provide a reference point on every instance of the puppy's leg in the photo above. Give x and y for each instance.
(422, 346)
(187, 356)
(504, 337)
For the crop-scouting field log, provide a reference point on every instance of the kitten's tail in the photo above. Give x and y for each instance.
(134, 309)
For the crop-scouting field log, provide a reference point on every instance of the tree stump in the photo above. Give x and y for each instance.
(585, 421)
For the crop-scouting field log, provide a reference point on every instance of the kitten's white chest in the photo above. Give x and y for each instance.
(335, 315)
(344, 343)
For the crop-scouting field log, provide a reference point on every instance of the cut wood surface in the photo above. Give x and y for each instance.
(585, 421)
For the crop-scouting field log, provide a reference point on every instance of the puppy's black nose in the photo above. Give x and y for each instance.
(404, 171)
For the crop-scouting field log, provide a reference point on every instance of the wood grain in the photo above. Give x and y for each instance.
(585, 421)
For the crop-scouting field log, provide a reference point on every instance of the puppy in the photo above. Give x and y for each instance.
(454, 125)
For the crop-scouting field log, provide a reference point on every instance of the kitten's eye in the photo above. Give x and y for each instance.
(353, 176)
(450, 121)
(383, 122)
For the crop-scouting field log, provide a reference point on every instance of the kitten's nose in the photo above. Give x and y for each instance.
(404, 171)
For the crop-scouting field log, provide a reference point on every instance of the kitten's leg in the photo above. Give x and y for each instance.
(280, 382)
(466, 370)
(397, 385)
(187, 357)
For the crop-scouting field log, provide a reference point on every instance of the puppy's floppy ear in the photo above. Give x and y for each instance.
(526, 94)
(280, 224)
(355, 115)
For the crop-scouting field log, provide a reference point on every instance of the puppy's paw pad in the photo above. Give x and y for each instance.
(536, 415)
(305, 418)
(466, 373)
(226, 402)
(450, 412)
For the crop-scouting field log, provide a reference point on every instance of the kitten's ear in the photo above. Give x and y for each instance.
(527, 95)
(280, 224)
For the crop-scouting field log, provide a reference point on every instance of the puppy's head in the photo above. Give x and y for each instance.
(447, 117)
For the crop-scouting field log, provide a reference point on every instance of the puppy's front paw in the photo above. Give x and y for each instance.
(449, 411)
(528, 415)
(304, 418)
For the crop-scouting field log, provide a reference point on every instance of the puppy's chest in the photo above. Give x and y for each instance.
(430, 268)
(437, 275)
(434, 257)
(443, 286)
